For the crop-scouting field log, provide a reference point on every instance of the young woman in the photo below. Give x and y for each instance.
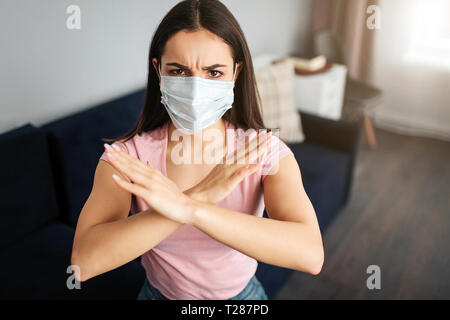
(198, 225)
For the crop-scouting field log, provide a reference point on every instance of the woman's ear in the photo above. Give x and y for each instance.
(155, 65)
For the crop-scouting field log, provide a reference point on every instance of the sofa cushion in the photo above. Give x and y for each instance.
(276, 89)
(36, 268)
(28, 198)
(76, 146)
(324, 174)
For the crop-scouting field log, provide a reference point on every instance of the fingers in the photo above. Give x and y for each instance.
(260, 149)
(115, 149)
(137, 171)
(251, 168)
(256, 148)
(243, 172)
(130, 187)
(251, 150)
(129, 159)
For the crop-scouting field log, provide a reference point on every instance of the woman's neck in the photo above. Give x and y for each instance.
(212, 137)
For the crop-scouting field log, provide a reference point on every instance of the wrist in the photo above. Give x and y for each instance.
(193, 209)
(196, 195)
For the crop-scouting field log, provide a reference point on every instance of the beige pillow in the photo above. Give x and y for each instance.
(276, 88)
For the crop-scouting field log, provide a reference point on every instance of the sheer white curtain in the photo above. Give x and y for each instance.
(411, 64)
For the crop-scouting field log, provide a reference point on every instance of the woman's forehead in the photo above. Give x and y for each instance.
(200, 48)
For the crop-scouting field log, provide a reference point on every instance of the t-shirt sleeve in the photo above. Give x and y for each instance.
(277, 149)
(121, 145)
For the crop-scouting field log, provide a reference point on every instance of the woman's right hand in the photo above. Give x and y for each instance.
(234, 167)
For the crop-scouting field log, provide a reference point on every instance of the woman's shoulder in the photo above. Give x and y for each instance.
(145, 140)
(276, 146)
(274, 151)
(277, 149)
(144, 144)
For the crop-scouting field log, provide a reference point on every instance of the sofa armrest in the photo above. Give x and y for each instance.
(340, 135)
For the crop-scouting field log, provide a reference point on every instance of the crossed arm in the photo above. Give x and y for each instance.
(290, 238)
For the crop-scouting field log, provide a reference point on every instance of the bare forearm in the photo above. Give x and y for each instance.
(283, 243)
(107, 246)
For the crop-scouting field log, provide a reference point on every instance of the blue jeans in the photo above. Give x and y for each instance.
(252, 291)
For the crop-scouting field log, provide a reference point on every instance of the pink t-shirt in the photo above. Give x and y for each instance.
(189, 264)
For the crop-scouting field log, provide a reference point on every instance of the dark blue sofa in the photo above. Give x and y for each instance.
(48, 174)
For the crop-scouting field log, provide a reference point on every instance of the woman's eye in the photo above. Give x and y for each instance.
(175, 71)
(212, 73)
(215, 73)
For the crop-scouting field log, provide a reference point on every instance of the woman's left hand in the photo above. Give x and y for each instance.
(158, 191)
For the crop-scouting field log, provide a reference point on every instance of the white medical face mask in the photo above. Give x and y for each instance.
(195, 103)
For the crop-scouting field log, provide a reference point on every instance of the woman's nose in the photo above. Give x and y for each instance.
(198, 73)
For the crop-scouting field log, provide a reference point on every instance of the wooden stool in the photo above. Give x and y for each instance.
(370, 133)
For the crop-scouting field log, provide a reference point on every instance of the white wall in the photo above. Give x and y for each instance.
(412, 69)
(48, 71)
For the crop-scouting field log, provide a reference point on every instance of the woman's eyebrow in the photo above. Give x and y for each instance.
(175, 64)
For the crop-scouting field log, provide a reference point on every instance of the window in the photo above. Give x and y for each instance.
(430, 33)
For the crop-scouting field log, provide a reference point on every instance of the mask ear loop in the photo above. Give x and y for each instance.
(234, 74)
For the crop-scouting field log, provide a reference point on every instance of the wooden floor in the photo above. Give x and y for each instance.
(398, 218)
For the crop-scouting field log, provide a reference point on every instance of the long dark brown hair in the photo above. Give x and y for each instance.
(192, 15)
